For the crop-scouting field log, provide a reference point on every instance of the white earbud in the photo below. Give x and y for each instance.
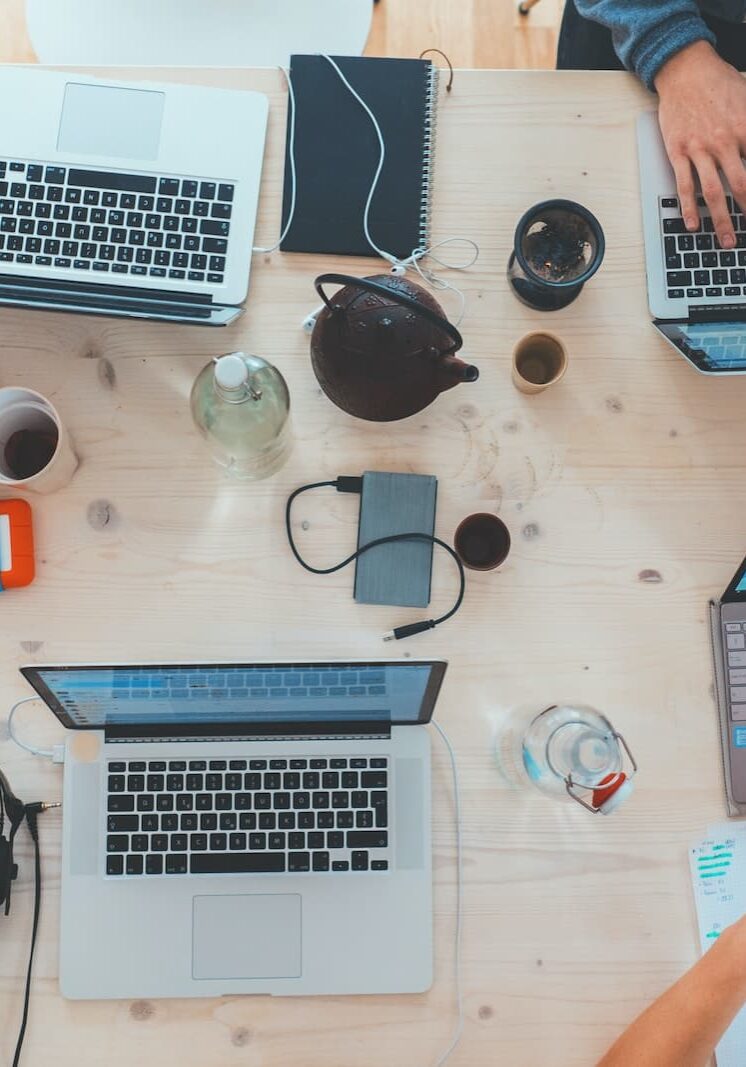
(310, 320)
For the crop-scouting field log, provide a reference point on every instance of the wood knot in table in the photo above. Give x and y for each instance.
(485, 1011)
(649, 575)
(467, 411)
(106, 373)
(142, 1010)
(614, 405)
(31, 646)
(101, 514)
(241, 1036)
(531, 531)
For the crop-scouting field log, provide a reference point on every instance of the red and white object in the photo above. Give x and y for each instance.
(17, 567)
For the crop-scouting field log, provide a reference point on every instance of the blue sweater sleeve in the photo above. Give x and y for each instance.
(646, 33)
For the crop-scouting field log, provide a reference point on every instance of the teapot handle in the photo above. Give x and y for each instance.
(391, 294)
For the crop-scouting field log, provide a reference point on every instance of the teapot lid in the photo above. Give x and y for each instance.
(390, 291)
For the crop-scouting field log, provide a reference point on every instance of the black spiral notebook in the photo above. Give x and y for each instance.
(337, 152)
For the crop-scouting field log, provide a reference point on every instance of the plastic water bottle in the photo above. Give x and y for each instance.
(241, 405)
(566, 752)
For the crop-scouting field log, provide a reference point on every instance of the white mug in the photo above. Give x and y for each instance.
(35, 449)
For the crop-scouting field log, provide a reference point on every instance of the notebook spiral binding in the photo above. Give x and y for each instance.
(428, 153)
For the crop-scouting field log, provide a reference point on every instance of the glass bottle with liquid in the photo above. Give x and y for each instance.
(241, 405)
(566, 752)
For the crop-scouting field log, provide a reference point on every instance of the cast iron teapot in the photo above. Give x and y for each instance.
(382, 349)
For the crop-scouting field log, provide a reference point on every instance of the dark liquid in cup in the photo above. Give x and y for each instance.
(482, 541)
(29, 451)
(540, 362)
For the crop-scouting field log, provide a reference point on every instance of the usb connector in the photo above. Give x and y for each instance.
(400, 632)
(347, 483)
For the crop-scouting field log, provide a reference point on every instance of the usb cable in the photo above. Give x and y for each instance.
(350, 484)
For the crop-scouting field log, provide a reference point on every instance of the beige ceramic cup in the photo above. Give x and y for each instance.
(35, 449)
(539, 360)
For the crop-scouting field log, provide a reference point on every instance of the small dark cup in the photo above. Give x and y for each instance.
(558, 246)
(482, 541)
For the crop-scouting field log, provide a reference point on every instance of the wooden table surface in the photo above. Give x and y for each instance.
(624, 491)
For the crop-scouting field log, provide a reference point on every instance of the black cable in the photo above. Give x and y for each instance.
(31, 813)
(17, 812)
(345, 484)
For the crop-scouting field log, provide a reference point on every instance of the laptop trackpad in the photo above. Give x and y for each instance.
(104, 120)
(252, 935)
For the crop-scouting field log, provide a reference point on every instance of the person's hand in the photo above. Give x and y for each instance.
(702, 117)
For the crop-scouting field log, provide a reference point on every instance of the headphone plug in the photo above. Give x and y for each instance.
(42, 805)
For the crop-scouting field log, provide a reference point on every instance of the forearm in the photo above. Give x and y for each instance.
(682, 1027)
(647, 33)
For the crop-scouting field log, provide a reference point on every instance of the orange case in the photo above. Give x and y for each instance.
(22, 568)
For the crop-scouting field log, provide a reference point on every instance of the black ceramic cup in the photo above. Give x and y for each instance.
(482, 541)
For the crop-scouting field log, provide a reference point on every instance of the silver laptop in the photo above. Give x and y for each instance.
(245, 828)
(127, 199)
(696, 289)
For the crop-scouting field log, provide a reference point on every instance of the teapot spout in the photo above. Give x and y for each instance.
(455, 371)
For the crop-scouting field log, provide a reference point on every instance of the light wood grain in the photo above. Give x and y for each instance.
(473, 33)
(15, 46)
(631, 468)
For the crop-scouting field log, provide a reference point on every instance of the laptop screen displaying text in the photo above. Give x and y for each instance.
(224, 693)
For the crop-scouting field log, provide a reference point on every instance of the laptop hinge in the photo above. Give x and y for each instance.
(278, 737)
(317, 732)
(59, 289)
(104, 303)
(719, 313)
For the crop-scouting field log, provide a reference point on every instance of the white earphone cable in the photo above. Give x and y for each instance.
(293, 176)
(49, 753)
(56, 753)
(381, 159)
(399, 266)
(459, 1029)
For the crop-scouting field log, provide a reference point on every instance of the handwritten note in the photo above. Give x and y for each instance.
(718, 865)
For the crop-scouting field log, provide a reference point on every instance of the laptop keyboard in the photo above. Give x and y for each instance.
(735, 645)
(247, 816)
(697, 268)
(115, 223)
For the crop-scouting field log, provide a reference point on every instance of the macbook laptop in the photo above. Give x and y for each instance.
(135, 199)
(245, 828)
(696, 289)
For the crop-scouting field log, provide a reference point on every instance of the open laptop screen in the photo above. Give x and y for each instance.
(736, 591)
(713, 347)
(250, 695)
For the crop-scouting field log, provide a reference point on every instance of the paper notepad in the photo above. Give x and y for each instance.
(718, 865)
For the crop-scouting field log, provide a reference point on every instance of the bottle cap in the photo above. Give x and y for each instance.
(608, 797)
(231, 371)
